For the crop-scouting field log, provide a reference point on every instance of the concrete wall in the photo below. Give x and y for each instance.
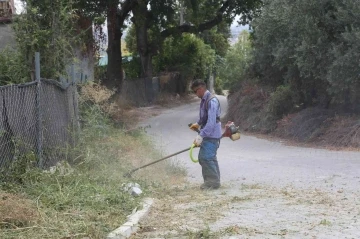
(6, 36)
(84, 66)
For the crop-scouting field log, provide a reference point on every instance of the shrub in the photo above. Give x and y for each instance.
(12, 71)
(218, 87)
(281, 101)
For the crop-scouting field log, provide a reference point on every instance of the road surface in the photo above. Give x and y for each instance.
(288, 192)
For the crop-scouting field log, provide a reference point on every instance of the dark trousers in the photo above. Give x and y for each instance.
(208, 161)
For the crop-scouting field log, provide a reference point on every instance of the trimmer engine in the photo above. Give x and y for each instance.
(231, 131)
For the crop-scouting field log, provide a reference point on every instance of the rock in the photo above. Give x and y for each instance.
(63, 168)
(133, 189)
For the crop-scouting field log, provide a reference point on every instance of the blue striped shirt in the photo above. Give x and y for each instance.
(211, 129)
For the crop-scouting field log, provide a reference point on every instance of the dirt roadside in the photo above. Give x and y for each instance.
(252, 211)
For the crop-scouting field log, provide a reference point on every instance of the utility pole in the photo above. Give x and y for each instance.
(182, 9)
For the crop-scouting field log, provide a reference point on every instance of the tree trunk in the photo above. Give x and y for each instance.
(140, 20)
(146, 74)
(114, 68)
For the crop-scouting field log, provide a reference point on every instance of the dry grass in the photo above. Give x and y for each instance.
(343, 132)
(89, 202)
(320, 128)
(194, 210)
(123, 112)
(187, 212)
(96, 93)
(16, 211)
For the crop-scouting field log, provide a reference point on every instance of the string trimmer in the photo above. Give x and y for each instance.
(231, 131)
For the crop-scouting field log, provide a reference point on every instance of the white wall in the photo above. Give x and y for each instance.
(6, 36)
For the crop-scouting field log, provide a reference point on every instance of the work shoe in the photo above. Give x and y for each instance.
(205, 186)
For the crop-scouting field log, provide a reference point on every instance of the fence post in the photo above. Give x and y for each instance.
(75, 120)
(72, 73)
(39, 135)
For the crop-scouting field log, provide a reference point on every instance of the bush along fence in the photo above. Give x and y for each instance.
(39, 118)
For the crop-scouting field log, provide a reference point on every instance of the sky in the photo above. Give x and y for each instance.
(18, 6)
(235, 30)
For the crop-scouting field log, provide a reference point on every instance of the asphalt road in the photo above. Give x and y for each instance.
(257, 160)
(270, 189)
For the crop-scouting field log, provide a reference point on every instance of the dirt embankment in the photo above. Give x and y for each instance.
(315, 126)
(322, 128)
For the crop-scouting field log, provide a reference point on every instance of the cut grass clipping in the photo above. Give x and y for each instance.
(86, 199)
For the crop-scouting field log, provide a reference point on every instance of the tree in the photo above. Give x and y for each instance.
(343, 74)
(159, 16)
(48, 28)
(150, 15)
(217, 38)
(59, 30)
(236, 61)
(116, 12)
(311, 49)
(188, 54)
(297, 43)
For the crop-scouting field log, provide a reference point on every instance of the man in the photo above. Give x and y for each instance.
(209, 137)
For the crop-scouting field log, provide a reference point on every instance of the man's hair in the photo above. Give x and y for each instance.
(197, 83)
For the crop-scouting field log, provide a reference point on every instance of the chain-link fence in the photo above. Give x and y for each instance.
(39, 118)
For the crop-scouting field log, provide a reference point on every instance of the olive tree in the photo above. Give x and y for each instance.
(236, 61)
(310, 46)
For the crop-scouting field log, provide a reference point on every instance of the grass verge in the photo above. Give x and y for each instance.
(85, 199)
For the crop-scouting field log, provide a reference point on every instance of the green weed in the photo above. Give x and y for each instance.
(202, 234)
(325, 222)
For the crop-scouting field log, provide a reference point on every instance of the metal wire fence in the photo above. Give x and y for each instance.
(39, 118)
(59, 117)
(42, 122)
(18, 121)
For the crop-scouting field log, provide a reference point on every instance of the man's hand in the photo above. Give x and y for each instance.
(195, 126)
(198, 140)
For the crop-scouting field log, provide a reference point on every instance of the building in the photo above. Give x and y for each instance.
(7, 9)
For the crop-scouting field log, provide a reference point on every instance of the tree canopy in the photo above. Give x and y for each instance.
(48, 27)
(233, 68)
(312, 47)
(154, 21)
